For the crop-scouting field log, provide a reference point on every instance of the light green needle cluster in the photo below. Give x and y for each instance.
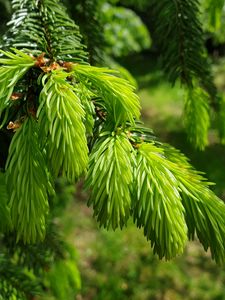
(55, 119)
(156, 185)
(204, 211)
(61, 117)
(196, 117)
(110, 176)
(14, 66)
(157, 202)
(85, 96)
(121, 103)
(28, 183)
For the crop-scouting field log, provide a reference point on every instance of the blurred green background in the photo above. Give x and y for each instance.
(120, 265)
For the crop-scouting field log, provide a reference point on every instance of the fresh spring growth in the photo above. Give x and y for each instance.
(72, 119)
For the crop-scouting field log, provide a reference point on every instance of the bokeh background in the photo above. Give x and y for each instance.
(120, 265)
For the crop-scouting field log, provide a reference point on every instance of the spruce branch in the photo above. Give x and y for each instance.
(28, 183)
(61, 116)
(204, 211)
(182, 45)
(61, 33)
(110, 176)
(44, 26)
(120, 101)
(16, 283)
(184, 57)
(86, 96)
(196, 116)
(14, 67)
(88, 16)
(157, 205)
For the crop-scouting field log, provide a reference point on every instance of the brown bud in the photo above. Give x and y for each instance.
(67, 65)
(41, 60)
(53, 66)
(13, 125)
(16, 96)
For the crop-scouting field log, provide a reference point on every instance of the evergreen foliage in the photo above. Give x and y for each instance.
(196, 105)
(118, 97)
(28, 183)
(13, 69)
(110, 176)
(45, 20)
(157, 204)
(88, 16)
(184, 57)
(68, 118)
(35, 270)
(60, 116)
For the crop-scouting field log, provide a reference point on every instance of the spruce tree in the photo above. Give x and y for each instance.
(60, 116)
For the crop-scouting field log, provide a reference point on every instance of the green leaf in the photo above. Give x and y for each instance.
(157, 205)
(28, 183)
(61, 116)
(110, 177)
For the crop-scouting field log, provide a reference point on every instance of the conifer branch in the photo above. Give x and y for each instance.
(196, 117)
(88, 16)
(110, 178)
(184, 56)
(14, 67)
(44, 26)
(120, 101)
(157, 203)
(204, 211)
(61, 118)
(28, 183)
(16, 283)
(182, 45)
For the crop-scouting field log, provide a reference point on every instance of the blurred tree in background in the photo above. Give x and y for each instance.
(149, 43)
